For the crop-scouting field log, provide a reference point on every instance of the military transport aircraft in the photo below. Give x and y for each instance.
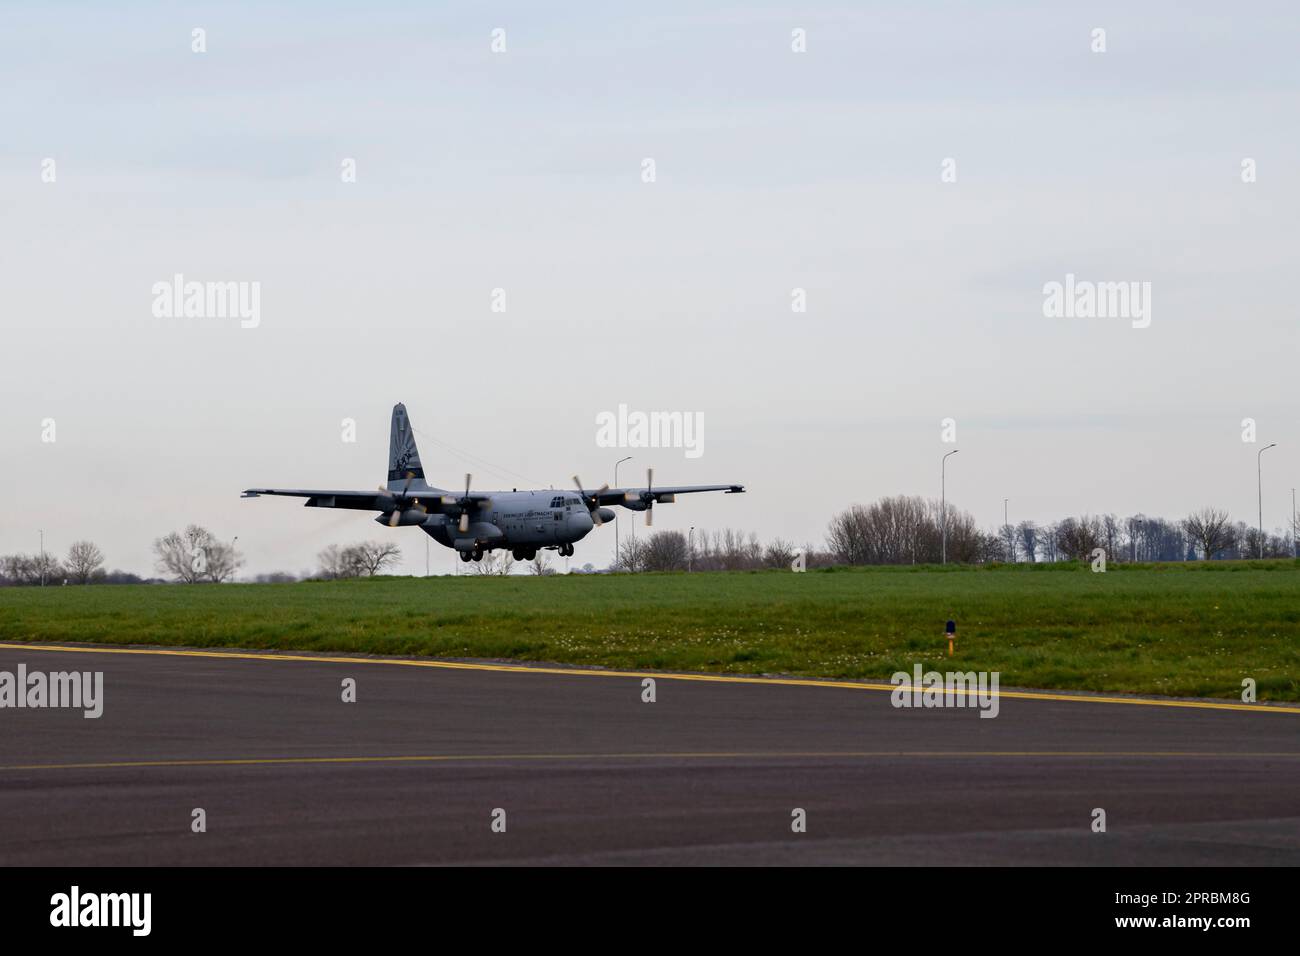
(477, 522)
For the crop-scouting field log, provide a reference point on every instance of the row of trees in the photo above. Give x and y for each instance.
(907, 530)
(191, 556)
(725, 550)
(1207, 534)
(357, 560)
(895, 530)
(910, 530)
(84, 564)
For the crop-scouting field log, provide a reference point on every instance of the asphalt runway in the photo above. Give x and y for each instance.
(587, 773)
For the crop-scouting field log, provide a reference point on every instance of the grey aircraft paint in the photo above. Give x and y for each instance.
(476, 522)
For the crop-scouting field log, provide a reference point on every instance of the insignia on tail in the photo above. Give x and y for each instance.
(403, 456)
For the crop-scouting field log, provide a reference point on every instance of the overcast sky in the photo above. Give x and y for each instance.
(523, 170)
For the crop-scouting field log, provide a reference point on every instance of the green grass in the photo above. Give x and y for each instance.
(1178, 629)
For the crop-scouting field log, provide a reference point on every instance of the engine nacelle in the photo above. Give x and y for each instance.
(404, 519)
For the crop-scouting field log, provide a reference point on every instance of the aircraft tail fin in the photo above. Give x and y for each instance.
(403, 456)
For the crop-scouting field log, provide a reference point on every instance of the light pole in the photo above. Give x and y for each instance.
(1293, 528)
(617, 557)
(42, 530)
(1259, 483)
(943, 504)
(690, 549)
(1007, 526)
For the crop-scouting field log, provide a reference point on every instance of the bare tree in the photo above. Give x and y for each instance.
(666, 551)
(1110, 536)
(19, 569)
(494, 564)
(541, 565)
(222, 562)
(1210, 529)
(183, 555)
(1007, 538)
(336, 562)
(631, 555)
(195, 555)
(1078, 537)
(84, 560)
(372, 557)
(1027, 532)
(779, 554)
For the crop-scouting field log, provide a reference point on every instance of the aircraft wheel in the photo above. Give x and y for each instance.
(530, 554)
(478, 554)
(464, 556)
(519, 554)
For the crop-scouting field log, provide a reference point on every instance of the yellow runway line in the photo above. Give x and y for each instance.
(730, 755)
(657, 675)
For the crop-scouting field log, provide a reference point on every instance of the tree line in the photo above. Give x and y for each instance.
(901, 529)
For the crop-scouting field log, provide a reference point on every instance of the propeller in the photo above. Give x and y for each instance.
(464, 503)
(594, 507)
(649, 497)
(398, 499)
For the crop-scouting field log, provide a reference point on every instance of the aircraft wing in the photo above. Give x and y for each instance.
(318, 498)
(617, 496)
(429, 498)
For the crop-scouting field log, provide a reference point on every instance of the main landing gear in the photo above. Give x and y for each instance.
(524, 554)
(475, 555)
(566, 550)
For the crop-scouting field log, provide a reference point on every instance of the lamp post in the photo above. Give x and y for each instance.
(1259, 483)
(1011, 556)
(616, 464)
(690, 549)
(42, 530)
(943, 504)
(1293, 527)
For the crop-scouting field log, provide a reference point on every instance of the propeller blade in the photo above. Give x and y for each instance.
(592, 502)
(595, 505)
(393, 518)
(465, 503)
(650, 497)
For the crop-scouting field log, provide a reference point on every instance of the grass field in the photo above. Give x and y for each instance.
(1177, 629)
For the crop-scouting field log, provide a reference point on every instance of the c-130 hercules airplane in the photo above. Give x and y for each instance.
(477, 522)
